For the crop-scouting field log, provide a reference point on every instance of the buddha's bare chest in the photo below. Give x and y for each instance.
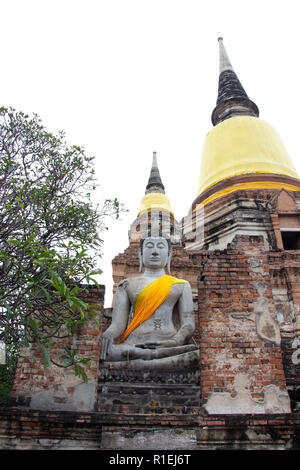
(173, 295)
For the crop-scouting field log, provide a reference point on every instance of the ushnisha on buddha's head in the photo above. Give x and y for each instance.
(155, 253)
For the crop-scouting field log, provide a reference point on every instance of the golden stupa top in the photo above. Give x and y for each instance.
(240, 142)
(242, 145)
(155, 201)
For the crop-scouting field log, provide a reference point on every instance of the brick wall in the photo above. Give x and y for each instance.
(54, 386)
(285, 276)
(159, 428)
(235, 284)
(233, 289)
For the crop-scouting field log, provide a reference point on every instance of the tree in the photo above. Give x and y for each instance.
(49, 234)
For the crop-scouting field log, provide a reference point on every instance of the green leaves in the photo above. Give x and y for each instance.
(7, 372)
(49, 234)
(46, 355)
(79, 364)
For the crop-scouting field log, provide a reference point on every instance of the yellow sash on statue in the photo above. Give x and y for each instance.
(148, 300)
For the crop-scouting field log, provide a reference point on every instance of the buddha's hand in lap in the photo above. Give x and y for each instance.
(107, 340)
(171, 343)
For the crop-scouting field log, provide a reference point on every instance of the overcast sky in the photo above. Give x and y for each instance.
(124, 78)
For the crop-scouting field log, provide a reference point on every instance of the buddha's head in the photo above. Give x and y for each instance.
(155, 253)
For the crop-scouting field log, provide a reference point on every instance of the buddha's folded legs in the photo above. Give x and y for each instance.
(187, 358)
(125, 352)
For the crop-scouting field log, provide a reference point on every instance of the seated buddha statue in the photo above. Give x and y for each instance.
(152, 318)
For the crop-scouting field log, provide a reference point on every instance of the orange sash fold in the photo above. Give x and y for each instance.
(148, 300)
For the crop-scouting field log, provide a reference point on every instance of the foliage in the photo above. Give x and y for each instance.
(7, 372)
(49, 234)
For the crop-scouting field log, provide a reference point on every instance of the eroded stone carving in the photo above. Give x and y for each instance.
(266, 326)
(152, 319)
(69, 393)
(275, 400)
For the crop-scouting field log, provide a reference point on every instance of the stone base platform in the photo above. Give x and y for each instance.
(148, 388)
(125, 428)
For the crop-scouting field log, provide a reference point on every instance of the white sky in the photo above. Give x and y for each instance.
(124, 78)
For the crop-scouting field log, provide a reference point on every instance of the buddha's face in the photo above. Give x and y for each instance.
(155, 252)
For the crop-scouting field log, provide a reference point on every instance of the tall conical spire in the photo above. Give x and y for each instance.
(155, 198)
(232, 99)
(155, 184)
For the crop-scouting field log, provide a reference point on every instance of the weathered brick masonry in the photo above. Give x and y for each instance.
(55, 387)
(225, 283)
(36, 429)
(229, 345)
(246, 305)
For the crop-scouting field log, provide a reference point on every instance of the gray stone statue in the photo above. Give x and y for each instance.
(152, 319)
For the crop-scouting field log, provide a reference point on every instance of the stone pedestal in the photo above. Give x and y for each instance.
(148, 388)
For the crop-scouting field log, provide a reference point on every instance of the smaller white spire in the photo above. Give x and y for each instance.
(225, 63)
(154, 162)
